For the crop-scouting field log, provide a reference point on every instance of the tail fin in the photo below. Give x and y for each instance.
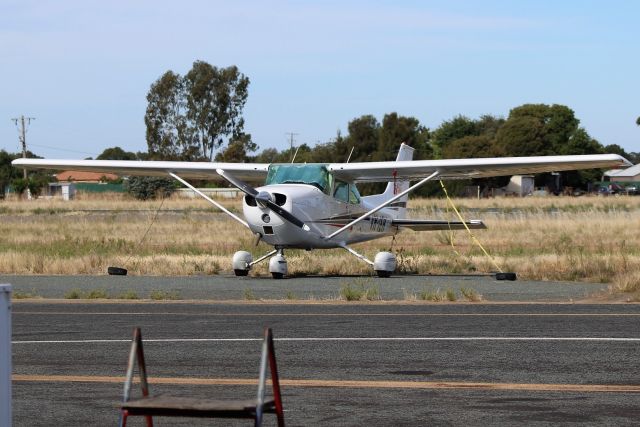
(394, 187)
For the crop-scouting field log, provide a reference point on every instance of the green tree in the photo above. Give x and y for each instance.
(398, 129)
(489, 125)
(215, 98)
(237, 151)
(468, 147)
(190, 117)
(117, 153)
(20, 185)
(167, 136)
(537, 129)
(35, 181)
(450, 130)
(363, 137)
(268, 155)
(7, 172)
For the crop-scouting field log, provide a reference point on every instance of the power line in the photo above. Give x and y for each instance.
(22, 136)
(64, 149)
(292, 136)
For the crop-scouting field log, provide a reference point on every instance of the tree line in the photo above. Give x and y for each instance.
(199, 117)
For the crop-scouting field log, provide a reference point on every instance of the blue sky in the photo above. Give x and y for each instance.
(83, 68)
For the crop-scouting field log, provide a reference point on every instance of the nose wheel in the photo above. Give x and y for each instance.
(278, 265)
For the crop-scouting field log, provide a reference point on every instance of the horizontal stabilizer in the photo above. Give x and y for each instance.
(433, 225)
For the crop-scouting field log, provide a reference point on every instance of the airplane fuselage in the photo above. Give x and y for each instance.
(322, 212)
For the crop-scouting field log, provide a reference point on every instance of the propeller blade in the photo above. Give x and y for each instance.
(286, 215)
(263, 198)
(239, 184)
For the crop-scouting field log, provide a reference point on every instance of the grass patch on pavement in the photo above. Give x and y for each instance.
(359, 290)
(158, 295)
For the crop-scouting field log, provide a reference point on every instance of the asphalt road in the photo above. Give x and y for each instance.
(222, 287)
(460, 364)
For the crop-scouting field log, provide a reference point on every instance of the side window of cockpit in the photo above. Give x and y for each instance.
(329, 183)
(354, 195)
(341, 191)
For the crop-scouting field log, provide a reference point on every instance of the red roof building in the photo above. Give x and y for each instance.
(79, 176)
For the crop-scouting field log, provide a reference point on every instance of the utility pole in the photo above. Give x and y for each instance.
(23, 136)
(292, 136)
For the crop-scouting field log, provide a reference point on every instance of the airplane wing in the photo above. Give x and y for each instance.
(357, 172)
(187, 170)
(432, 225)
(471, 168)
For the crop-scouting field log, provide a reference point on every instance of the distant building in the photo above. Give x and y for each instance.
(90, 182)
(623, 175)
(64, 190)
(521, 185)
(80, 176)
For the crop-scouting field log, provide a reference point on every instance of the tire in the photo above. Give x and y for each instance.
(241, 272)
(277, 276)
(506, 276)
(384, 274)
(116, 271)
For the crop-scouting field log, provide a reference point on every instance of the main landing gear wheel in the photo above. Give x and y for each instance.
(242, 263)
(384, 264)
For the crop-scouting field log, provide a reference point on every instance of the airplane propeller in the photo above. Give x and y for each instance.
(263, 198)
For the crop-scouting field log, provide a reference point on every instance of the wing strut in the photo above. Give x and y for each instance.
(210, 200)
(358, 255)
(380, 206)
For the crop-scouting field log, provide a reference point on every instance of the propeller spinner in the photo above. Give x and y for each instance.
(264, 199)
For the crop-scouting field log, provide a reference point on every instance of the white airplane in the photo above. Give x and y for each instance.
(317, 206)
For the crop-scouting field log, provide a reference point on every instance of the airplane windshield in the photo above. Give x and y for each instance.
(316, 175)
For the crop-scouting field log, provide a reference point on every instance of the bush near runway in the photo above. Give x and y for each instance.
(553, 238)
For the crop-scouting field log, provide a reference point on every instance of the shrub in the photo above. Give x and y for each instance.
(144, 188)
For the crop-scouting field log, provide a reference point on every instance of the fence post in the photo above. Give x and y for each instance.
(5, 355)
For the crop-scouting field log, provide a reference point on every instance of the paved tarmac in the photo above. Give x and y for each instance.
(224, 287)
(341, 364)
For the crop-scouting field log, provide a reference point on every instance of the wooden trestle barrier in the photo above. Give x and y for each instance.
(164, 405)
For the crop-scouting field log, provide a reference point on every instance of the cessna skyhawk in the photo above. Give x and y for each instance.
(317, 206)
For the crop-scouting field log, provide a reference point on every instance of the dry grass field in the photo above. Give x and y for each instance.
(593, 239)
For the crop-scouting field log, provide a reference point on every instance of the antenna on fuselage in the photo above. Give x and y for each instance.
(349, 158)
(295, 154)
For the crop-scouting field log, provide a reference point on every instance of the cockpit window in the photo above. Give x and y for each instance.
(347, 193)
(354, 194)
(341, 191)
(316, 175)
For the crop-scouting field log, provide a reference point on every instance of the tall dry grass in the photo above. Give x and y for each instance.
(554, 238)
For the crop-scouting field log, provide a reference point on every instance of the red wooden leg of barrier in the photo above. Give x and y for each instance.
(149, 421)
(275, 380)
(125, 414)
